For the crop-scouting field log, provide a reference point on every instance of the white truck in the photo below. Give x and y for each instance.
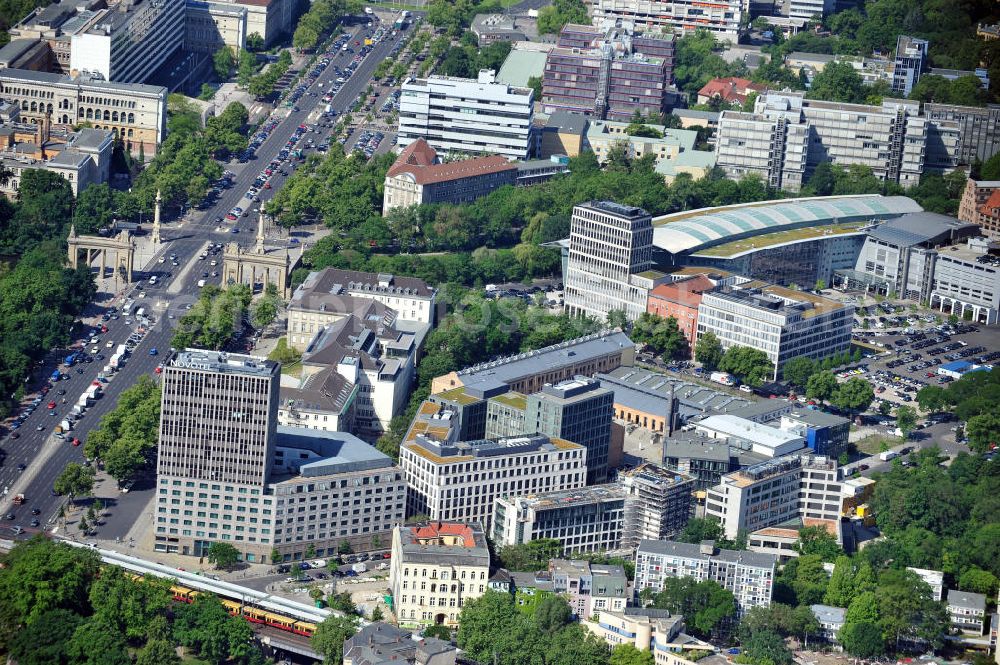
(724, 378)
(85, 401)
(78, 410)
(359, 567)
(888, 455)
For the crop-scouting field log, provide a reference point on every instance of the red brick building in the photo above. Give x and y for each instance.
(680, 300)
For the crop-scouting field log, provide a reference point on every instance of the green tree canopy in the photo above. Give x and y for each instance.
(329, 637)
(862, 640)
(75, 480)
(626, 654)
(752, 366)
(128, 605)
(96, 642)
(704, 604)
(819, 541)
(854, 395)
(841, 589)
(45, 641)
(662, 335)
(698, 529)
(798, 370)
(765, 647)
(838, 82)
(223, 555)
(821, 385)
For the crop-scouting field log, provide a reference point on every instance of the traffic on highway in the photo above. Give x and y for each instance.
(141, 320)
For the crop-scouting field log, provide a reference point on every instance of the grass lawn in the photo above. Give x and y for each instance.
(289, 358)
(872, 445)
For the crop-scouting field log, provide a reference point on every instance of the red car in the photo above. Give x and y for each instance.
(76, 442)
(104, 329)
(52, 405)
(158, 370)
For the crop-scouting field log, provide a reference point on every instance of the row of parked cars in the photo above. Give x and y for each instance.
(369, 142)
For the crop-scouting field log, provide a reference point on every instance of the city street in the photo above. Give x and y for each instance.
(187, 239)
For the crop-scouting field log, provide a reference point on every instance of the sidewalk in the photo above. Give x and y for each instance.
(139, 542)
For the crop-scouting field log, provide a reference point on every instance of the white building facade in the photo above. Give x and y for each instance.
(130, 40)
(781, 322)
(609, 244)
(787, 136)
(465, 115)
(774, 492)
(721, 18)
(435, 569)
(461, 480)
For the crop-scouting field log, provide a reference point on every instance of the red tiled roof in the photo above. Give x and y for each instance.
(685, 292)
(829, 525)
(991, 204)
(438, 529)
(730, 89)
(419, 160)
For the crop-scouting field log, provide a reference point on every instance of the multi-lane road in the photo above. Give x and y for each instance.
(177, 288)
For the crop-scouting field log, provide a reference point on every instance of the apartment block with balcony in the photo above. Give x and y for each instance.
(589, 587)
(749, 576)
(967, 611)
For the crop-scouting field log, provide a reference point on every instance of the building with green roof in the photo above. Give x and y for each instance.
(785, 241)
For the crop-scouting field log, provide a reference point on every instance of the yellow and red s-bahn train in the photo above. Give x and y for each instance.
(250, 613)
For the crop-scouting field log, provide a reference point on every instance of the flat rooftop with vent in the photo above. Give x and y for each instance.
(222, 362)
(529, 372)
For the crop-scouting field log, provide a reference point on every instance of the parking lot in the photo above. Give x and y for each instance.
(907, 352)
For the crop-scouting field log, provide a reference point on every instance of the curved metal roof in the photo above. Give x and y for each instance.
(696, 229)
